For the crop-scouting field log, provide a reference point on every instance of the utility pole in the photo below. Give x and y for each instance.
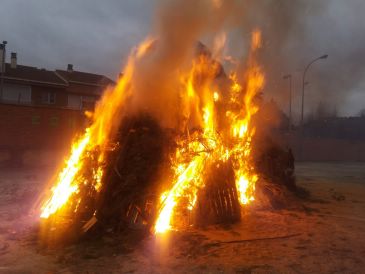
(285, 77)
(3, 52)
(303, 85)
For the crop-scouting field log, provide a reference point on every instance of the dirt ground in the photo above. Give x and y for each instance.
(326, 234)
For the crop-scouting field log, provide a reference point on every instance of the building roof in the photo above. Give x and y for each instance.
(76, 82)
(83, 89)
(33, 75)
(85, 78)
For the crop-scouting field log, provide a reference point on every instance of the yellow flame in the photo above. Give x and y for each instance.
(241, 130)
(190, 177)
(256, 41)
(66, 185)
(188, 180)
(96, 136)
(216, 96)
(199, 94)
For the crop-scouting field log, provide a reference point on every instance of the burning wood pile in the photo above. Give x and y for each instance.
(129, 170)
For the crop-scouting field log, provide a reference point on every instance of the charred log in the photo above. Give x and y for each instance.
(129, 192)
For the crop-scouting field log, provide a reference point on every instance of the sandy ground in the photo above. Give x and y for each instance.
(326, 234)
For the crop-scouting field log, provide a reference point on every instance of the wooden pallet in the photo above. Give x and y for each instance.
(218, 202)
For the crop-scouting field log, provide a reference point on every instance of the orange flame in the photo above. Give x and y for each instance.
(96, 136)
(66, 186)
(200, 97)
(189, 178)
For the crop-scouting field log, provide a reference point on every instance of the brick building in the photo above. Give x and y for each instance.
(41, 111)
(70, 89)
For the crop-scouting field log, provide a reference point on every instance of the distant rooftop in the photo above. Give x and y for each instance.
(33, 75)
(85, 78)
(42, 76)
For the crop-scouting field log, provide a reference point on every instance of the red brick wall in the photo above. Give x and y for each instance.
(24, 129)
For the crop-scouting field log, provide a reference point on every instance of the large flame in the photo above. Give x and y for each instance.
(95, 137)
(210, 146)
(200, 97)
(66, 186)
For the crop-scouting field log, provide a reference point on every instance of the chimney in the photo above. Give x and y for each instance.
(13, 60)
(2, 59)
(70, 68)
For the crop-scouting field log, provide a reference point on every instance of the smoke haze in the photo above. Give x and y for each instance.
(97, 36)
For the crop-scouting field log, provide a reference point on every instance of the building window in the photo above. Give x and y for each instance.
(17, 94)
(53, 121)
(49, 98)
(52, 97)
(88, 102)
(74, 101)
(36, 120)
(81, 102)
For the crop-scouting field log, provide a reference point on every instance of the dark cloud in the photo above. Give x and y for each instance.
(97, 36)
(93, 35)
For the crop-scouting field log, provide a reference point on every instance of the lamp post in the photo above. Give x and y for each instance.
(303, 86)
(3, 48)
(285, 77)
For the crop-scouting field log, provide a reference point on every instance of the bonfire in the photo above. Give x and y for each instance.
(211, 172)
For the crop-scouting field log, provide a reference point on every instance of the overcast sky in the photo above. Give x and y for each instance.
(96, 36)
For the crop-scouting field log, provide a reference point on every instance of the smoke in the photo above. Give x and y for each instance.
(296, 32)
(293, 35)
(179, 25)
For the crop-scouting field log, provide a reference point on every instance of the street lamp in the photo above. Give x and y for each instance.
(303, 86)
(285, 77)
(3, 48)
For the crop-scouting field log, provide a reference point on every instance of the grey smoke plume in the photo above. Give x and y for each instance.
(297, 31)
(179, 25)
(96, 36)
(294, 33)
